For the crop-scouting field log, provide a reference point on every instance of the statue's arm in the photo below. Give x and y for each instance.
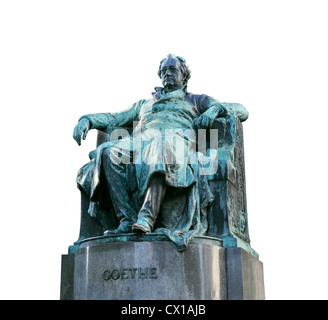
(232, 108)
(211, 109)
(119, 119)
(103, 120)
(98, 120)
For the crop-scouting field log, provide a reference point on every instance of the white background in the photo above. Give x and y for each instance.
(63, 59)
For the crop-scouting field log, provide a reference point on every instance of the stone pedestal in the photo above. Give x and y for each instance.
(244, 272)
(106, 269)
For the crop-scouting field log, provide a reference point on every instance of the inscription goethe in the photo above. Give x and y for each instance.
(129, 273)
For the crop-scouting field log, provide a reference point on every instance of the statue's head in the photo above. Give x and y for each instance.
(173, 72)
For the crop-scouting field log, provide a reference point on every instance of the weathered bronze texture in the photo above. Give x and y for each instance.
(173, 164)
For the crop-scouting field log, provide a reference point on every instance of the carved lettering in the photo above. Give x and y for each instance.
(129, 273)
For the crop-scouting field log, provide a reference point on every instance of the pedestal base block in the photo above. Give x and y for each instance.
(156, 270)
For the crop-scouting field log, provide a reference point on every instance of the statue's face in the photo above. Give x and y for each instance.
(171, 75)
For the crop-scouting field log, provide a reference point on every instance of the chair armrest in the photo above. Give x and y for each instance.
(230, 146)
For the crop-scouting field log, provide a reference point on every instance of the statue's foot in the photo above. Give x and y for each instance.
(122, 228)
(141, 227)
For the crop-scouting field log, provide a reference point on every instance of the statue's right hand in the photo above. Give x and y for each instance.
(81, 130)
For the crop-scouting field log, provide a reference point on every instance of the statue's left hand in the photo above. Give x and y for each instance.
(81, 130)
(203, 122)
(206, 119)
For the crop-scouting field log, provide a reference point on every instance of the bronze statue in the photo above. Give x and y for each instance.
(172, 191)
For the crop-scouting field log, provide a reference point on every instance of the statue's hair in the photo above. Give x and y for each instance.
(184, 68)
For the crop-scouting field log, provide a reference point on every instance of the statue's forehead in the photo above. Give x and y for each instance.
(170, 62)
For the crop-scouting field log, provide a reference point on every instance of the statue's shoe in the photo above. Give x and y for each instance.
(122, 228)
(141, 227)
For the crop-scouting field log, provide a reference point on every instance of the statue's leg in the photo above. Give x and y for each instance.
(115, 175)
(151, 206)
